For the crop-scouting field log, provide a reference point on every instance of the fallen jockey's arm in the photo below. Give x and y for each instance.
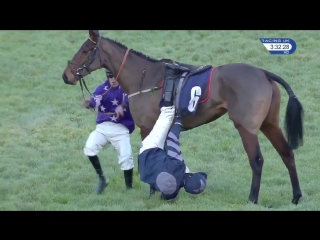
(172, 143)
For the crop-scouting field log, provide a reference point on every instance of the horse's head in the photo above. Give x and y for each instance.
(86, 60)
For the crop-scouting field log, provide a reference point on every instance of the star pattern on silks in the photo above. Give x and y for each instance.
(106, 88)
(102, 108)
(113, 118)
(115, 102)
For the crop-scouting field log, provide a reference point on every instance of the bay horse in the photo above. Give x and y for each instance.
(247, 93)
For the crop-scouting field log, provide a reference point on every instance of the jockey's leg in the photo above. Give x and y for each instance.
(121, 143)
(158, 134)
(95, 142)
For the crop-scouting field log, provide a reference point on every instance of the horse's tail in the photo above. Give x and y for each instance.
(294, 114)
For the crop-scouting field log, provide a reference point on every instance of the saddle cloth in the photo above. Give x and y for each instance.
(193, 89)
(190, 87)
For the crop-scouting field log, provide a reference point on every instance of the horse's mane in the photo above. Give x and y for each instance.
(140, 54)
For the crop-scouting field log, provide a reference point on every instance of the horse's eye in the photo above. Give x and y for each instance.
(86, 49)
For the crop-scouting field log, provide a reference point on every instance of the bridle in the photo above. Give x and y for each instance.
(86, 66)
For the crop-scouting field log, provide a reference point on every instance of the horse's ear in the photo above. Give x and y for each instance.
(94, 35)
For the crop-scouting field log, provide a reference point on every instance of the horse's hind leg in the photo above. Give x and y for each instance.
(275, 136)
(270, 128)
(248, 121)
(248, 106)
(251, 145)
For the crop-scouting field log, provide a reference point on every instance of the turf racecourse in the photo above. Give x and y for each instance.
(43, 127)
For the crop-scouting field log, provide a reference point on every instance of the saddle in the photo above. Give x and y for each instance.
(192, 68)
(176, 75)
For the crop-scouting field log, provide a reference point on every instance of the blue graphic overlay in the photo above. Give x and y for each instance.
(283, 46)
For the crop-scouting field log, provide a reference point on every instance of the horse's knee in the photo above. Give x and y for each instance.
(256, 162)
(252, 148)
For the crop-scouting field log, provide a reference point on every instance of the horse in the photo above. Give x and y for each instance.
(248, 94)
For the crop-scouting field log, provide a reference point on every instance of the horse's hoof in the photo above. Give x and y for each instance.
(295, 201)
(152, 191)
(253, 201)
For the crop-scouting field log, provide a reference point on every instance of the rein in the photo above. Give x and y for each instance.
(144, 91)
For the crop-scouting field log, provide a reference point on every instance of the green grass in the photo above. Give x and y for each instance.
(43, 127)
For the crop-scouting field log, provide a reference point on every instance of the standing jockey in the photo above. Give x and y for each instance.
(110, 99)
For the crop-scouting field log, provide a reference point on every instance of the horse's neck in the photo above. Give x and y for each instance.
(136, 73)
(154, 74)
(140, 74)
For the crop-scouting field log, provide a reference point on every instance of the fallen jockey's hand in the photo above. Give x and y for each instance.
(119, 111)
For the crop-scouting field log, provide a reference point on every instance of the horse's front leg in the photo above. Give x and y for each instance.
(144, 132)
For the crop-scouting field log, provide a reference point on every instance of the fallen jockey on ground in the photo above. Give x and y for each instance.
(166, 171)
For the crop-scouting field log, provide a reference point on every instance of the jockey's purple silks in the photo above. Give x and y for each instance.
(106, 99)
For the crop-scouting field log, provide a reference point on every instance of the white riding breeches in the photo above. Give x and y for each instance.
(158, 134)
(118, 136)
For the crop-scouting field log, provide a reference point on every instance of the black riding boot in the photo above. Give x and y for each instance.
(128, 177)
(168, 88)
(102, 184)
